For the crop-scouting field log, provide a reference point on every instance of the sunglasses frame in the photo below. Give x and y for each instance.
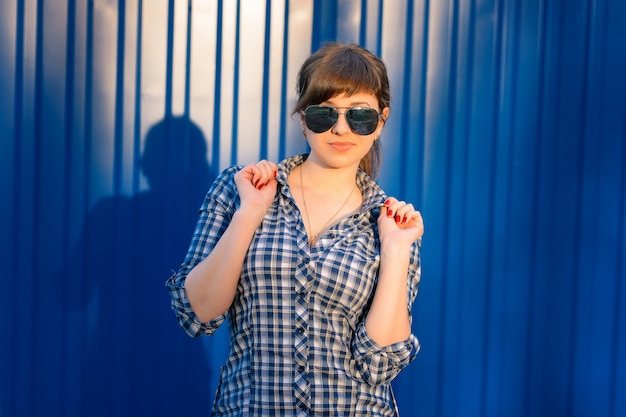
(348, 120)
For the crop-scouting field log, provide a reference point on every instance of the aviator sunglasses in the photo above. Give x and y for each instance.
(362, 120)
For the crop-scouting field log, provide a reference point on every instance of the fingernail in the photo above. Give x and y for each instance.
(386, 202)
(404, 219)
(275, 173)
(397, 219)
(389, 213)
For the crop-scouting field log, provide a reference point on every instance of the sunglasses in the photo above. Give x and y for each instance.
(362, 120)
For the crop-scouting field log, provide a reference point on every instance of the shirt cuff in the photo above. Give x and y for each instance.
(187, 318)
(380, 364)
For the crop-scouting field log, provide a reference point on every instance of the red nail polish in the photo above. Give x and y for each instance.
(404, 219)
(389, 213)
(397, 219)
(386, 202)
(275, 173)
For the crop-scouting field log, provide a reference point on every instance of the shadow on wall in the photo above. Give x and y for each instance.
(135, 359)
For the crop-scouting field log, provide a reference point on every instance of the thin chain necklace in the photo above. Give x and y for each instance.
(306, 210)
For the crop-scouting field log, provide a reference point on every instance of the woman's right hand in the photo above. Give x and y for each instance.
(256, 184)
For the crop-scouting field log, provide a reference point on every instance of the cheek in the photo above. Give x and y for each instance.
(369, 142)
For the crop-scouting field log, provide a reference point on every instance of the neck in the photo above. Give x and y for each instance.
(327, 180)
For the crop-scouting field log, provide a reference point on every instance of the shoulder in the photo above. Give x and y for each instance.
(223, 191)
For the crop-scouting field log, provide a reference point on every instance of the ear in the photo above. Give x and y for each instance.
(385, 114)
(303, 125)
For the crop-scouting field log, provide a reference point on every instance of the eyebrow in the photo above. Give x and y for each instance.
(353, 104)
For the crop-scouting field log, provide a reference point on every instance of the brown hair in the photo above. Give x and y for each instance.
(348, 69)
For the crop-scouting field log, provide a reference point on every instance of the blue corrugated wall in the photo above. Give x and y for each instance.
(508, 130)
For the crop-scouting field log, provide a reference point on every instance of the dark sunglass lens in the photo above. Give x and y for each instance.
(362, 121)
(320, 118)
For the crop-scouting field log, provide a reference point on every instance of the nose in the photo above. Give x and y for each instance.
(342, 126)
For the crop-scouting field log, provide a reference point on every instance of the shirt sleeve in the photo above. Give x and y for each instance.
(214, 216)
(377, 364)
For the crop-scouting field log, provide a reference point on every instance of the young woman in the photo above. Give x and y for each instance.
(314, 266)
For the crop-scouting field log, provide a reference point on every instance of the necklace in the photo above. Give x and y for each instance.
(306, 211)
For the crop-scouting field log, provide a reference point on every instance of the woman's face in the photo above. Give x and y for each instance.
(339, 146)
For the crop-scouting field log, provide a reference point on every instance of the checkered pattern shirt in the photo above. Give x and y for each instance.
(298, 343)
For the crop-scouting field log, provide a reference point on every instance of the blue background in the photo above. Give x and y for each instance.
(507, 129)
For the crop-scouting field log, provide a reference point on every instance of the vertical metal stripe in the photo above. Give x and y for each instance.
(544, 202)
(498, 53)
(447, 194)
(363, 24)
(407, 92)
(282, 140)
(169, 62)
(583, 305)
(31, 283)
(137, 110)
(68, 124)
(495, 401)
(67, 181)
(526, 331)
(219, 44)
(263, 151)
(421, 120)
(379, 29)
(187, 97)
(618, 404)
(324, 23)
(575, 302)
(18, 133)
(235, 119)
(118, 130)
(88, 134)
(533, 254)
(186, 143)
(533, 217)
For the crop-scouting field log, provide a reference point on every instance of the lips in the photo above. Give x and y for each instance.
(342, 146)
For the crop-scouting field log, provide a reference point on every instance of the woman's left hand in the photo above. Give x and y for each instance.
(399, 222)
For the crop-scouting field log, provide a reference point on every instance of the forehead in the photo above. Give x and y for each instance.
(358, 99)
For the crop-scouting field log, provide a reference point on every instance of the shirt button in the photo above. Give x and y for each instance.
(301, 368)
(302, 406)
(300, 330)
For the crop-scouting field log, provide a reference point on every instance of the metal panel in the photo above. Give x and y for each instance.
(508, 130)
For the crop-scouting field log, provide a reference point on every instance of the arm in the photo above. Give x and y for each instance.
(383, 343)
(211, 285)
(388, 320)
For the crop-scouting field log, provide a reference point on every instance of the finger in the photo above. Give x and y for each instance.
(415, 217)
(404, 213)
(400, 211)
(397, 209)
(263, 172)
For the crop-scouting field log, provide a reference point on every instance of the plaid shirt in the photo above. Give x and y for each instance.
(298, 340)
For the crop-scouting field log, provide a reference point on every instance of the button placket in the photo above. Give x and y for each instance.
(302, 386)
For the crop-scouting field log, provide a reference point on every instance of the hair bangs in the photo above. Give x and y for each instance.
(345, 73)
